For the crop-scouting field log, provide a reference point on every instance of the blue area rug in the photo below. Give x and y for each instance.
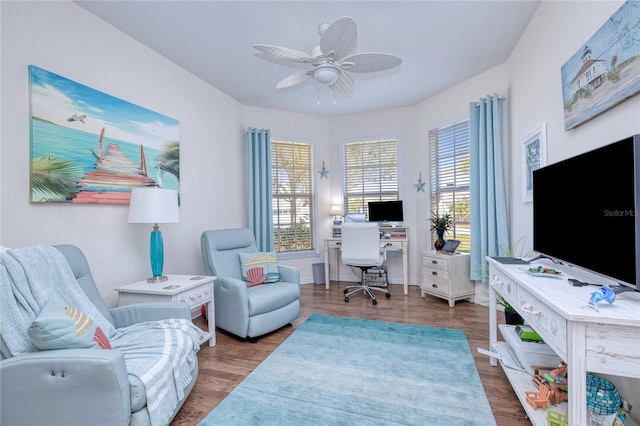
(345, 371)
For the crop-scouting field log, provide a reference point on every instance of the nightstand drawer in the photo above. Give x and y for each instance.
(430, 273)
(435, 285)
(435, 262)
(196, 296)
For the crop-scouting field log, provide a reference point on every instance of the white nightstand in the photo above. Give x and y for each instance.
(190, 289)
(446, 276)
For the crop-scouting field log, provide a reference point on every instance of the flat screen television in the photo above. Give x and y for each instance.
(385, 211)
(586, 211)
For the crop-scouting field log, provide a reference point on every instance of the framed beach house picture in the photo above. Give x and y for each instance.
(534, 156)
(88, 147)
(606, 68)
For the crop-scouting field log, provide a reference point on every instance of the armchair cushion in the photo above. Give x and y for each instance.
(62, 326)
(267, 298)
(259, 267)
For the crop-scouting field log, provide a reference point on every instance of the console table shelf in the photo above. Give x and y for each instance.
(589, 341)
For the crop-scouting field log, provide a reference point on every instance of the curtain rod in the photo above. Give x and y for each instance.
(502, 98)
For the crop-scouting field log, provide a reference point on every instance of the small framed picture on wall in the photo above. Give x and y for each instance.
(534, 156)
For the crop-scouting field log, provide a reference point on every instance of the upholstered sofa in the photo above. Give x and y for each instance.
(247, 311)
(90, 386)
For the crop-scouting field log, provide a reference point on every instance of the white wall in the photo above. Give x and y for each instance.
(556, 32)
(65, 39)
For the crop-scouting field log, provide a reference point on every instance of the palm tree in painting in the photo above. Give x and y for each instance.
(54, 178)
(169, 159)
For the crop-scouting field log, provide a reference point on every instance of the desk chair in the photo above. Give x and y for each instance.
(361, 248)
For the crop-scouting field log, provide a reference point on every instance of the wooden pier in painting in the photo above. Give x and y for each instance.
(114, 177)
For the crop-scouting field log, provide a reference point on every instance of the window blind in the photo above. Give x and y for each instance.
(450, 179)
(293, 205)
(370, 173)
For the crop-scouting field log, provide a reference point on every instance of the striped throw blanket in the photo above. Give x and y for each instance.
(160, 353)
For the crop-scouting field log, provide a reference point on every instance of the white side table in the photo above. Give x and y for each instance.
(192, 290)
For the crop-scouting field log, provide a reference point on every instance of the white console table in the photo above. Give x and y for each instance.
(605, 342)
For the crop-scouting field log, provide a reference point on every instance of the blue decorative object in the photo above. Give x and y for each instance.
(156, 251)
(603, 293)
(324, 173)
(602, 398)
(420, 185)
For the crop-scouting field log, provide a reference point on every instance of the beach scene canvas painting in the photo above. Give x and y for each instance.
(88, 147)
(606, 69)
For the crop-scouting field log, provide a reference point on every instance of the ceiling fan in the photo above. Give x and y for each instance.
(332, 58)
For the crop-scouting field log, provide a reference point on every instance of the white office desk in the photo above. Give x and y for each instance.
(393, 243)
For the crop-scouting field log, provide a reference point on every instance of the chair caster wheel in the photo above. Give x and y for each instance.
(346, 299)
(374, 301)
(388, 295)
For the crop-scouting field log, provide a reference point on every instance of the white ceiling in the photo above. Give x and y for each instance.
(441, 43)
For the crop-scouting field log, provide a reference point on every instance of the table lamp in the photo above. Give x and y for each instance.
(154, 205)
(335, 212)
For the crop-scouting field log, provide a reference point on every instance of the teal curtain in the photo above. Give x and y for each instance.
(260, 216)
(489, 231)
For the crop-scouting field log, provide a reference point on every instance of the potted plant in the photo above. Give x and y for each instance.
(511, 317)
(440, 224)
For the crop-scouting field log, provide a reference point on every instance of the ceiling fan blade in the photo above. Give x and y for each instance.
(294, 79)
(284, 53)
(340, 38)
(344, 83)
(369, 62)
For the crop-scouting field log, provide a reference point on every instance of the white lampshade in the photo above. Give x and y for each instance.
(336, 211)
(153, 205)
(326, 74)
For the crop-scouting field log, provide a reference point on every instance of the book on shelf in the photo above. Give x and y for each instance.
(528, 334)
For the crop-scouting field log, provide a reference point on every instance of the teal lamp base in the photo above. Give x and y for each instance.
(156, 253)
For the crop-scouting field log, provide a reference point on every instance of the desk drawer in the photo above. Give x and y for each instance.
(547, 322)
(391, 244)
(332, 244)
(196, 296)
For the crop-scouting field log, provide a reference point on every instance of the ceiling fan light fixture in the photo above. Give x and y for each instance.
(326, 74)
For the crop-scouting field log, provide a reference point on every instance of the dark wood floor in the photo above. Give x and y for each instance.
(224, 366)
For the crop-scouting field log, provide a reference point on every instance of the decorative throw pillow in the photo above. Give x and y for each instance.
(61, 326)
(259, 267)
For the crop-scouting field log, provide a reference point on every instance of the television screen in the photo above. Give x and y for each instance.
(585, 211)
(385, 211)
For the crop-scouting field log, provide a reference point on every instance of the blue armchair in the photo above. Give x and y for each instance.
(247, 312)
(82, 386)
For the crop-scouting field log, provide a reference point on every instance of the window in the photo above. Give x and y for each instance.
(370, 173)
(293, 204)
(450, 193)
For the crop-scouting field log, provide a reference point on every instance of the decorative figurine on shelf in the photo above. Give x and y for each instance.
(603, 293)
(555, 379)
(540, 398)
(557, 375)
